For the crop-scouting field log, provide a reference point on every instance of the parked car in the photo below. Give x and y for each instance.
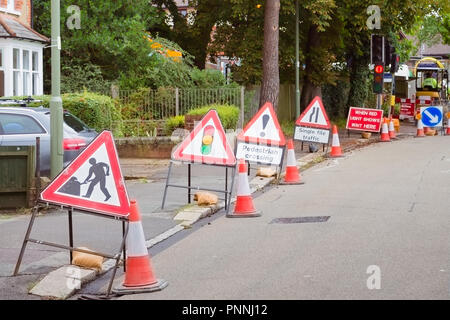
(20, 125)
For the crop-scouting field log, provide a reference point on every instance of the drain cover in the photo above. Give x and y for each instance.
(301, 219)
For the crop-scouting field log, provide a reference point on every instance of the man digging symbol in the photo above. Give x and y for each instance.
(98, 169)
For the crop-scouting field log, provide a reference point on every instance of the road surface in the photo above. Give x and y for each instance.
(387, 236)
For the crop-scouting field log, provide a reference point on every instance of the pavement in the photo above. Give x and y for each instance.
(145, 181)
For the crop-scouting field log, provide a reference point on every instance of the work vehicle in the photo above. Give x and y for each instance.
(20, 125)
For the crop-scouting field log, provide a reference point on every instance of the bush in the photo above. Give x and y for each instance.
(228, 114)
(173, 123)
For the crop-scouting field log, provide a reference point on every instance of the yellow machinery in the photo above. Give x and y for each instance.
(427, 68)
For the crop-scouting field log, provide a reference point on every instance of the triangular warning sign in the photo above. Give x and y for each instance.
(92, 181)
(314, 115)
(207, 143)
(263, 128)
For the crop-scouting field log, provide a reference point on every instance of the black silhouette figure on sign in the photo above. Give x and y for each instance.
(72, 187)
(98, 169)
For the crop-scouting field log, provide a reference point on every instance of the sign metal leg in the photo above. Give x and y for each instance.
(25, 241)
(189, 183)
(70, 211)
(167, 185)
(122, 248)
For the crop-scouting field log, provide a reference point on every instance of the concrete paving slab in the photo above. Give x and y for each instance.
(63, 282)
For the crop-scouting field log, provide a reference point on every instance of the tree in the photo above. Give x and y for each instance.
(112, 37)
(270, 86)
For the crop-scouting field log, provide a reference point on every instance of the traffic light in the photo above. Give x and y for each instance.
(376, 49)
(395, 63)
(378, 78)
(389, 50)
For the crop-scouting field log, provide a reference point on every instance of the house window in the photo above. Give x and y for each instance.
(1, 59)
(35, 72)
(26, 72)
(11, 5)
(16, 71)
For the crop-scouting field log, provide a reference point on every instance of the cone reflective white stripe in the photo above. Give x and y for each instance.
(448, 127)
(136, 240)
(291, 158)
(419, 124)
(335, 142)
(243, 188)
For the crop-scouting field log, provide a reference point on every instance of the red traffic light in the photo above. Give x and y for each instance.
(379, 69)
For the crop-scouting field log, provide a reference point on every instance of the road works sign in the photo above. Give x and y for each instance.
(207, 144)
(314, 116)
(262, 140)
(93, 180)
(364, 119)
(431, 116)
(263, 128)
(313, 124)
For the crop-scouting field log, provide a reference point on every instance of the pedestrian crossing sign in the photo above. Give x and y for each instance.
(314, 116)
(93, 181)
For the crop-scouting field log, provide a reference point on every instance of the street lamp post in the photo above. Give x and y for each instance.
(56, 110)
(297, 62)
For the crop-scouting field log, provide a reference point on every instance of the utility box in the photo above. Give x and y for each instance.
(17, 177)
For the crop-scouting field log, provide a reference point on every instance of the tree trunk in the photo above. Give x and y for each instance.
(358, 81)
(270, 86)
(309, 89)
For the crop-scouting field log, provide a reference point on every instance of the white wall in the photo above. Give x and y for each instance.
(7, 45)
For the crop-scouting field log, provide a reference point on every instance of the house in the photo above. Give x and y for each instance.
(21, 50)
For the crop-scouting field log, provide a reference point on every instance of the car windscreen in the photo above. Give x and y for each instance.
(75, 123)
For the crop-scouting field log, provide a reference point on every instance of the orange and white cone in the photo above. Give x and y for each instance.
(244, 207)
(420, 131)
(139, 276)
(385, 132)
(447, 132)
(336, 150)
(292, 175)
(392, 134)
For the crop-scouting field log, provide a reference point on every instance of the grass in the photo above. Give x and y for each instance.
(288, 128)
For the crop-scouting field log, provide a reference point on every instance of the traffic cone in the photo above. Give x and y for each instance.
(336, 150)
(244, 207)
(139, 276)
(391, 129)
(448, 128)
(420, 131)
(292, 175)
(385, 132)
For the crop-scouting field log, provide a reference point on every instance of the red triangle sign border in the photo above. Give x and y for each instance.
(179, 155)
(299, 121)
(50, 195)
(258, 140)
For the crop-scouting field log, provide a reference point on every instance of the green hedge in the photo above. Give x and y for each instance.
(228, 114)
(97, 111)
(173, 123)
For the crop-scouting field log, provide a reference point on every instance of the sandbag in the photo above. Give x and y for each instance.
(86, 260)
(205, 198)
(266, 172)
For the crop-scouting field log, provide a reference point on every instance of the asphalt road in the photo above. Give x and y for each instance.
(388, 208)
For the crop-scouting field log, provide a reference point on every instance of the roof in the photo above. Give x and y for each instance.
(10, 27)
